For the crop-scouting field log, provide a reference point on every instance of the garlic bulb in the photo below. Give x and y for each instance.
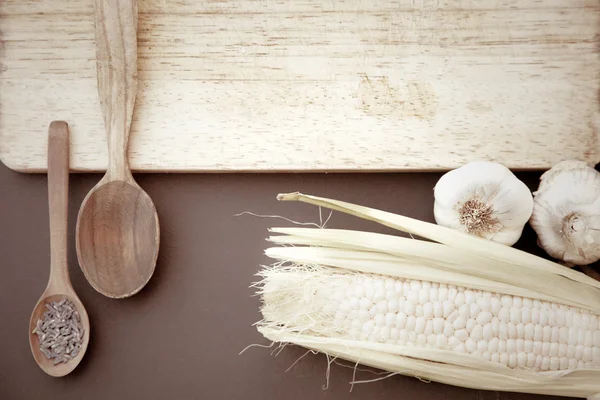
(566, 214)
(484, 199)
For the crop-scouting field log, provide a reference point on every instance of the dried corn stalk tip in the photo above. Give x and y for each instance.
(60, 333)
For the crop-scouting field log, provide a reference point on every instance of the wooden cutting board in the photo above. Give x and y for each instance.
(312, 85)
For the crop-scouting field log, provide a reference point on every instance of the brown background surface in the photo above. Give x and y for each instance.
(181, 336)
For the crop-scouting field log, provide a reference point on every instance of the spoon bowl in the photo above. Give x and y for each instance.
(59, 284)
(46, 364)
(117, 238)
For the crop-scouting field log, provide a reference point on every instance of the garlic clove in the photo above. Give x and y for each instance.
(484, 199)
(566, 214)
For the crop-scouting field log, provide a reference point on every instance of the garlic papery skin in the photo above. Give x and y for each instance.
(566, 213)
(484, 199)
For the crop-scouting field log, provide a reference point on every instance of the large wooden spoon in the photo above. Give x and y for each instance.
(117, 233)
(59, 285)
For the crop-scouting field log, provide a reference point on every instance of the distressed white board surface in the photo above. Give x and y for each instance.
(312, 85)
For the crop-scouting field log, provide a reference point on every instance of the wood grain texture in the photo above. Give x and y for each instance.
(253, 85)
(117, 235)
(59, 283)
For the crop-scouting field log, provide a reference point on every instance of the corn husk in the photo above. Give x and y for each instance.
(445, 256)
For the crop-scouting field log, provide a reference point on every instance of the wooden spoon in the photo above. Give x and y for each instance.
(117, 234)
(59, 284)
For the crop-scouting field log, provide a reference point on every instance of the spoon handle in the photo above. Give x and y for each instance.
(58, 201)
(116, 62)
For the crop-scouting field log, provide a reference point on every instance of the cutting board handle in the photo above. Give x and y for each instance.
(116, 62)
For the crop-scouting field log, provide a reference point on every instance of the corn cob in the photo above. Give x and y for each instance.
(454, 309)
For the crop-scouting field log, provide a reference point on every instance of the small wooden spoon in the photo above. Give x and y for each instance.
(59, 284)
(117, 234)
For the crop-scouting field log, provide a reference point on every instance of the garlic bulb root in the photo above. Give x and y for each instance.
(484, 199)
(566, 214)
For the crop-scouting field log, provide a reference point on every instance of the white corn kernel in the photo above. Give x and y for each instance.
(563, 363)
(512, 330)
(515, 315)
(477, 333)
(529, 331)
(385, 333)
(394, 333)
(393, 305)
(538, 333)
(554, 349)
(546, 349)
(428, 310)
(488, 332)
(461, 334)
(504, 358)
(517, 301)
(421, 339)
(579, 352)
(448, 308)
(484, 317)
(470, 345)
(453, 341)
(504, 315)
(554, 363)
(464, 311)
(545, 364)
(428, 327)
(572, 363)
(495, 358)
(563, 335)
(443, 294)
(411, 322)
(511, 346)
(459, 300)
(471, 324)
(438, 310)
(520, 343)
(506, 300)
(501, 346)
(401, 320)
(493, 345)
(441, 341)
(459, 323)
(430, 339)
(538, 361)
(495, 305)
(597, 338)
(390, 319)
(572, 337)
(470, 297)
(420, 325)
(520, 331)
(487, 356)
(503, 331)
(588, 341)
(528, 346)
(521, 359)
(526, 315)
(380, 319)
(562, 350)
(544, 317)
(535, 315)
(438, 325)
(587, 354)
(482, 346)
(484, 304)
(547, 333)
(423, 296)
(419, 310)
(555, 334)
(537, 347)
(495, 326)
(448, 330)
